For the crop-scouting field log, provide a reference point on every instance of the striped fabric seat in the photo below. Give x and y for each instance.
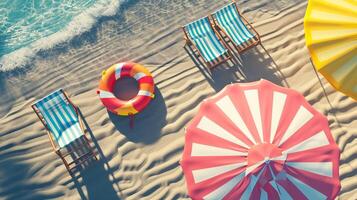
(202, 35)
(229, 20)
(60, 117)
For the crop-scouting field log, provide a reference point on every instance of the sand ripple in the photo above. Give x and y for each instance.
(143, 163)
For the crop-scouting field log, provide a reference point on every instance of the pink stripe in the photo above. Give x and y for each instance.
(201, 190)
(237, 96)
(216, 115)
(200, 136)
(266, 103)
(292, 189)
(322, 154)
(272, 193)
(323, 184)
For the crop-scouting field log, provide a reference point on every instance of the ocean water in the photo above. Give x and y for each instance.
(28, 26)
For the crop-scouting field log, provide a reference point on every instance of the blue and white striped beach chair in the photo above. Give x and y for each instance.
(235, 27)
(200, 33)
(64, 126)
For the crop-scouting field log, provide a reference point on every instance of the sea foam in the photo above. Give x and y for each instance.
(79, 25)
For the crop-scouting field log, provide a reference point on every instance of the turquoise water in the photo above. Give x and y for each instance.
(25, 21)
(28, 26)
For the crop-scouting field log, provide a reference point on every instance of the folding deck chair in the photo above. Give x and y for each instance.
(230, 23)
(201, 35)
(64, 127)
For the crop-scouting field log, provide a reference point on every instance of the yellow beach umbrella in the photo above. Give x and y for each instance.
(331, 37)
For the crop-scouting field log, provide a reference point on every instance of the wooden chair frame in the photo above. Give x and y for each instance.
(223, 33)
(57, 149)
(218, 61)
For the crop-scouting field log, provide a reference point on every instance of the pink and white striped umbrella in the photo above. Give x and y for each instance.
(260, 141)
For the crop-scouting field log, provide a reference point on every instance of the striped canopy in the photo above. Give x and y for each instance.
(331, 36)
(202, 35)
(60, 117)
(229, 19)
(260, 141)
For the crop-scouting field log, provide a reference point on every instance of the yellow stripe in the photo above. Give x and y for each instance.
(126, 109)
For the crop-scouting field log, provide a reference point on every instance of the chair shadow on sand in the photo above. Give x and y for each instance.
(261, 66)
(16, 174)
(97, 176)
(147, 124)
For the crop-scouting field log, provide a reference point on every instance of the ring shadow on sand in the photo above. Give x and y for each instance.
(147, 124)
(252, 65)
(97, 176)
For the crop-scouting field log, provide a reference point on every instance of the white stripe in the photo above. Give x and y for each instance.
(205, 174)
(77, 131)
(226, 106)
(253, 167)
(213, 39)
(208, 42)
(252, 97)
(63, 139)
(283, 194)
(47, 116)
(118, 68)
(139, 75)
(321, 168)
(277, 109)
(144, 93)
(282, 157)
(105, 94)
(211, 127)
(55, 110)
(224, 189)
(301, 118)
(263, 195)
(242, 27)
(206, 150)
(307, 190)
(237, 28)
(74, 131)
(195, 28)
(229, 26)
(315, 141)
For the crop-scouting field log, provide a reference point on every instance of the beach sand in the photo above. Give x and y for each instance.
(143, 162)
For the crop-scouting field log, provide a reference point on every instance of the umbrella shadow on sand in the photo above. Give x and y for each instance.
(147, 124)
(97, 176)
(252, 65)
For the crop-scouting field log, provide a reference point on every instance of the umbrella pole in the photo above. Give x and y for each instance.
(325, 93)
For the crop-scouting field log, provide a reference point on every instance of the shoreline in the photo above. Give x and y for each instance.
(143, 163)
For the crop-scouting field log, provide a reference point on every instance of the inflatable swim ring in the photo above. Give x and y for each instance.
(134, 105)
